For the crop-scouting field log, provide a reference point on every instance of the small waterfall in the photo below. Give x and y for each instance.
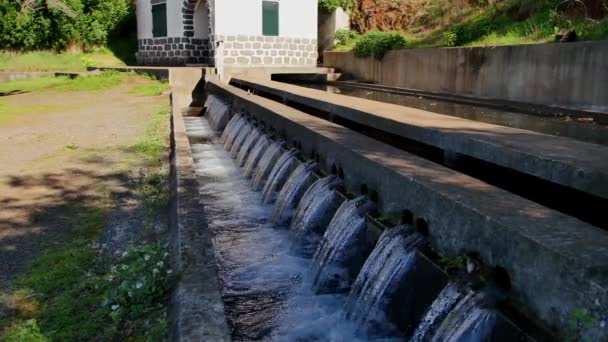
(469, 321)
(256, 154)
(247, 146)
(314, 213)
(240, 139)
(234, 133)
(382, 278)
(279, 174)
(341, 252)
(267, 162)
(445, 302)
(229, 131)
(217, 112)
(293, 190)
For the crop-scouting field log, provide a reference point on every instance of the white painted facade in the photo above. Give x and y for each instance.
(228, 21)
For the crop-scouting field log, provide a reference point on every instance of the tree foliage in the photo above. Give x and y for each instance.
(331, 5)
(59, 24)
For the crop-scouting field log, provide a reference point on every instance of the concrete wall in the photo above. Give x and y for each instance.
(329, 23)
(573, 74)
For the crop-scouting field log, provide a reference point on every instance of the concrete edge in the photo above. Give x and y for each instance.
(196, 307)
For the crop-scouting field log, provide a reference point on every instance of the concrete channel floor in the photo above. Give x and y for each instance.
(567, 162)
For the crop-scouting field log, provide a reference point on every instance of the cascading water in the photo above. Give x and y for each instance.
(267, 162)
(340, 254)
(313, 214)
(217, 112)
(469, 321)
(234, 133)
(247, 146)
(380, 282)
(231, 127)
(293, 190)
(445, 302)
(260, 271)
(240, 139)
(256, 154)
(276, 179)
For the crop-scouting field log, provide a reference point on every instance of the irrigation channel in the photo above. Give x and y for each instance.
(584, 126)
(296, 261)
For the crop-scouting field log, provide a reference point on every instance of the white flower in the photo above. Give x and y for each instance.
(130, 294)
(155, 270)
(602, 324)
(113, 268)
(138, 285)
(124, 267)
(103, 245)
(169, 271)
(115, 307)
(146, 257)
(160, 264)
(124, 254)
(165, 254)
(110, 277)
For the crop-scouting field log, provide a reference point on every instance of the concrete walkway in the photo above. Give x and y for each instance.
(567, 162)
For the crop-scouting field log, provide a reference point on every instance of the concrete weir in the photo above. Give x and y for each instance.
(569, 163)
(557, 264)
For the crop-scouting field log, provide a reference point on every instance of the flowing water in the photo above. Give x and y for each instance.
(272, 289)
(279, 174)
(293, 190)
(338, 258)
(314, 213)
(217, 112)
(380, 283)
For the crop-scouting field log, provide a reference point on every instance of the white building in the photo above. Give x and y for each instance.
(240, 32)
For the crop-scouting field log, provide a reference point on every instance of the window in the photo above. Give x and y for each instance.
(159, 20)
(270, 18)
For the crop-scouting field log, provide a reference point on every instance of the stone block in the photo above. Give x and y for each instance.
(311, 61)
(229, 60)
(247, 45)
(188, 33)
(239, 45)
(291, 53)
(269, 39)
(234, 53)
(256, 60)
(230, 38)
(278, 60)
(268, 60)
(259, 39)
(267, 46)
(276, 46)
(259, 52)
(242, 38)
(185, 40)
(242, 60)
(256, 45)
(246, 52)
(281, 52)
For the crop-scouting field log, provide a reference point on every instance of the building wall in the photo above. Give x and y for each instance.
(329, 23)
(237, 24)
(244, 44)
(181, 46)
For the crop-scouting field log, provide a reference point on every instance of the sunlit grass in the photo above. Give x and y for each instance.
(154, 89)
(53, 61)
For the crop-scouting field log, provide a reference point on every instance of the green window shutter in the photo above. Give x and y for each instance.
(159, 20)
(270, 18)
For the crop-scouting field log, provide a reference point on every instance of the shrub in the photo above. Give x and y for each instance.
(329, 6)
(376, 44)
(345, 36)
(61, 24)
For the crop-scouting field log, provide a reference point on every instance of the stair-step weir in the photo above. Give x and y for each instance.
(323, 278)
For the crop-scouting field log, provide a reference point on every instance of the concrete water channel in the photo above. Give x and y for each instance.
(411, 225)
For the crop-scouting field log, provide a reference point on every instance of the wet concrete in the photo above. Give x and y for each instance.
(557, 264)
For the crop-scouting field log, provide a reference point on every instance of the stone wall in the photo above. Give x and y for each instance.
(174, 51)
(246, 50)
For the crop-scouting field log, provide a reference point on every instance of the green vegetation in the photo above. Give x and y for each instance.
(329, 6)
(376, 44)
(62, 24)
(103, 81)
(53, 61)
(74, 291)
(154, 89)
(437, 23)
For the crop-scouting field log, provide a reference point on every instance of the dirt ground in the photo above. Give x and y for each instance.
(75, 149)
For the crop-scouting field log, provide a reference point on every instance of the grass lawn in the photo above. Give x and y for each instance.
(72, 291)
(52, 61)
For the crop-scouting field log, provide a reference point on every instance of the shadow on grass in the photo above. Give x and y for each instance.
(13, 92)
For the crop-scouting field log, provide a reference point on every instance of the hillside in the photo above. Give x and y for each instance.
(434, 23)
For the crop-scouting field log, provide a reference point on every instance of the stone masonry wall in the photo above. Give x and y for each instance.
(172, 51)
(268, 51)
